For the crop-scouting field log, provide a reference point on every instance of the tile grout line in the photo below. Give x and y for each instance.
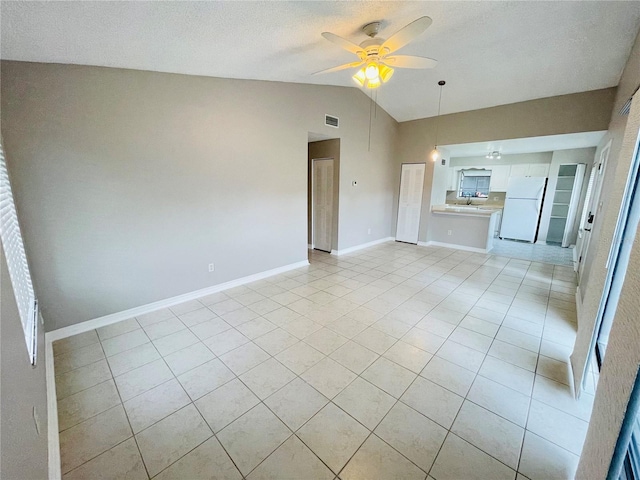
(144, 464)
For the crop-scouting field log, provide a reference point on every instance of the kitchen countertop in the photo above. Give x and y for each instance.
(466, 210)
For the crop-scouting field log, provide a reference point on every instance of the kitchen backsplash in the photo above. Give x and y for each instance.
(494, 198)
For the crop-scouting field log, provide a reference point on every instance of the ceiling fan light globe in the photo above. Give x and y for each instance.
(386, 73)
(372, 71)
(360, 77)
(374, 83)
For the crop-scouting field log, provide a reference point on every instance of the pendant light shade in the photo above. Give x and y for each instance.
(435, 154)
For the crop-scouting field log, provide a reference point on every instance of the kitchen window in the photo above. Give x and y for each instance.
(474, 183)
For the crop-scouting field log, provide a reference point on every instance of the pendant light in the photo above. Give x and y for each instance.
(435, 154)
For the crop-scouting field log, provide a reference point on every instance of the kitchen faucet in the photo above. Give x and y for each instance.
(468, 198)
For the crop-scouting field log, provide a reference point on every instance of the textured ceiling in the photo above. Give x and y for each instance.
(490, 53)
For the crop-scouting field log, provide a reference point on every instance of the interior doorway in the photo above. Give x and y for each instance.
(323, 192)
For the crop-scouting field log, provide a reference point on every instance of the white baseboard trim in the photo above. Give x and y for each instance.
(50, 337)
(310, 246)
(167, 302)
(432, 243)
(344, 251)
(578, 304)
(53, 440)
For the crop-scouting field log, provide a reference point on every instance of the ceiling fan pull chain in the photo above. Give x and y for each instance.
(375, 112)
(370, 117)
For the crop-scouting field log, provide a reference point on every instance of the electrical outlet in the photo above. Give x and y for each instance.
(212, 267)
(369, 231)
(448, 232)
(495, 199)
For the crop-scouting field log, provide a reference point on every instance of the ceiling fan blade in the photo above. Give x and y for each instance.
(342, 42)
(339, 67)
(406, 34)
(409, 61)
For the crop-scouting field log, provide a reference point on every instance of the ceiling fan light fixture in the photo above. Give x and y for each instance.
(386, 73)
(374, 83)
(372, 71)
(435, 154)
(373, 53)
(360, 78)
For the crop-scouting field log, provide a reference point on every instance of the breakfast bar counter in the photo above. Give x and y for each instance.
(468, 227)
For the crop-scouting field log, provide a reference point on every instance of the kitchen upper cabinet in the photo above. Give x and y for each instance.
(500, 174)
(538, 170)
(530, 170)
(500, 177)
(521, 170)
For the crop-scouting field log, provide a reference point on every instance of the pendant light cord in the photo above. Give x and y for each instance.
(441, 83)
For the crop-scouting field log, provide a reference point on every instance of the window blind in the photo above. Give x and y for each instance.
(17, 261)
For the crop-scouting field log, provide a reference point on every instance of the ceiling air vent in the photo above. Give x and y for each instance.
(331, 121)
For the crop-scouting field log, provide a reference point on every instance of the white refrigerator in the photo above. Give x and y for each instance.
(522, 207)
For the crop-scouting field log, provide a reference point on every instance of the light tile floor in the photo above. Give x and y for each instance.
(536, 252)
(394, 362)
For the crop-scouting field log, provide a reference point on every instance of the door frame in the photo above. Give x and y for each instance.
(312, 197)
(617, 261)
(594, 202)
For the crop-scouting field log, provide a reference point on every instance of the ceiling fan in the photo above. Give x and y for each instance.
(375, 55)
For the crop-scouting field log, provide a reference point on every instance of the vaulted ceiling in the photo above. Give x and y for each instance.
(490, 53)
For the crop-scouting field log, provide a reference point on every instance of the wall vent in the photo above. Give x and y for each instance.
(331, 121)
(624, 110)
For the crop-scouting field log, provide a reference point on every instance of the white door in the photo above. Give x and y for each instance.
(593, 207)
(322, 204)
(410, 202)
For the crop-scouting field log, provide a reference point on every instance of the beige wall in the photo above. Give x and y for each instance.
(623, 356)
(129, 183)
(23, 452)
(579, 112)
(326, 149)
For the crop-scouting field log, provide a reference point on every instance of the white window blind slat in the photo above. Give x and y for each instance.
(17, 261)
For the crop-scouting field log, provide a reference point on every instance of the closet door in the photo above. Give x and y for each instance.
(322, 204)
(410, 202)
